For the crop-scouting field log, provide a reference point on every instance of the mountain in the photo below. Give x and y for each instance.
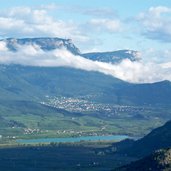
(148, 93)
(63, 81)
(30, 97)
(158, 138)
(157, 161)
(113, 57)
(45, 44)
(153, 151)
(21, 82)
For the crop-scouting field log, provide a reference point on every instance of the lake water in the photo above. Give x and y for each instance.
(75, 139)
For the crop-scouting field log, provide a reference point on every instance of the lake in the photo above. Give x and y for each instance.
(75, 139)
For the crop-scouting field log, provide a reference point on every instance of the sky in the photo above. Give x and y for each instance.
(95, 25)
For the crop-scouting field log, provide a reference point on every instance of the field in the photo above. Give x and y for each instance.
(38, 102)
(26, 120)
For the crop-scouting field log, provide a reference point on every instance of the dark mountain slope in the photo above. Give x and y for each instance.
(148, 94)
(158, 161)
(21, 82)
(37, 82)
(158, 138)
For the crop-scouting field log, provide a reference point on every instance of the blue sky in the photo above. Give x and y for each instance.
(94, 25)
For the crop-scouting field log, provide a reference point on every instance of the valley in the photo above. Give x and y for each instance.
(59, 113)
(68, 117)
(48, 102)
(85, 85)
(93, 156)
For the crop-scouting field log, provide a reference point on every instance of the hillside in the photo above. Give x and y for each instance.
(158, 161)
(21, 82)
(158, 138)
(153, 151)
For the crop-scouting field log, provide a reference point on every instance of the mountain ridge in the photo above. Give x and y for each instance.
(113, 56)
(65, 82)
(48, 44)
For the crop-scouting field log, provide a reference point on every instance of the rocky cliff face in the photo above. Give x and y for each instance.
(45, 44)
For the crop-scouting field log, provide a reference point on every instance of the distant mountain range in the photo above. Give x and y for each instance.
(21, 82)
(48, 44)
(113, 57)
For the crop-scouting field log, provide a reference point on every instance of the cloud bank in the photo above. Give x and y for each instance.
(38, 22)
(136, 72)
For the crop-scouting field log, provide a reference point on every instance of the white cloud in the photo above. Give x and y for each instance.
(110, 25)
(44, 21)
(166, 65)
(137, 72)
(156, 55)
(156, 22)
(3, 46)
(30, 22)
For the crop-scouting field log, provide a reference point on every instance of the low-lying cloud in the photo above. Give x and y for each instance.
(136, 72)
